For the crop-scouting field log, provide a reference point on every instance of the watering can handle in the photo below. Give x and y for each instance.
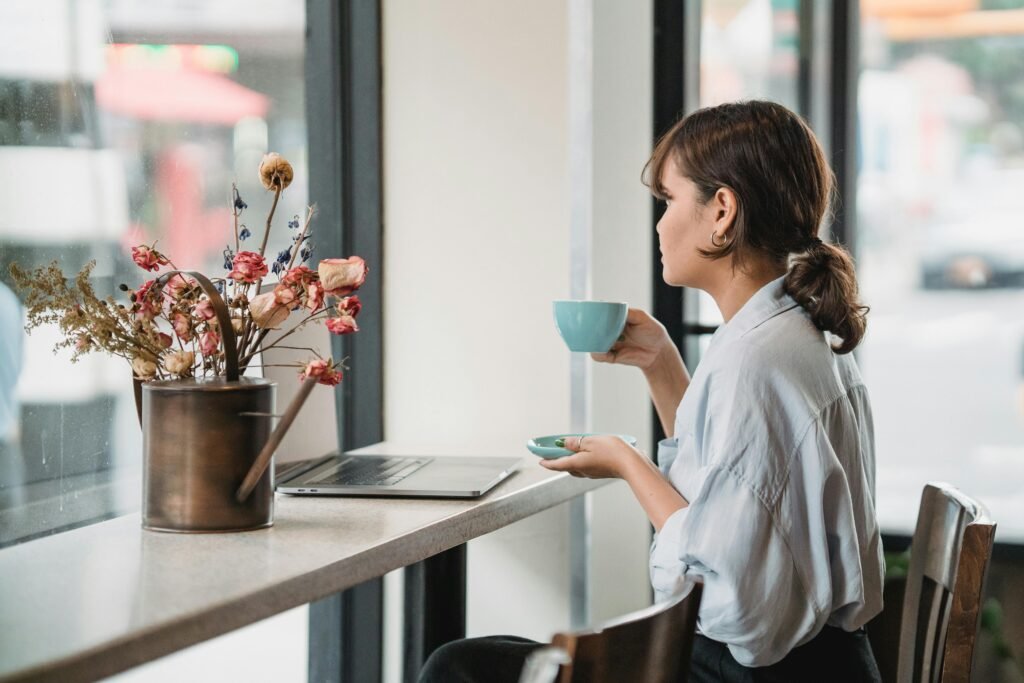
(263, 459)
(227, 333)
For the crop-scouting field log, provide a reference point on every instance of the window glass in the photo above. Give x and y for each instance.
(123, 122)
(749, 49)
(941, 251)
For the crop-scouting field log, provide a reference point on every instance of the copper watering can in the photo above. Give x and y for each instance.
(207, 443)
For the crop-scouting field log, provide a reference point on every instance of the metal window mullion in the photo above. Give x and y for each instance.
(844, 51)
(343, 94)
(581, 227)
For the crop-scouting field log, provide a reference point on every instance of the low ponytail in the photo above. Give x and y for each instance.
(823, 281)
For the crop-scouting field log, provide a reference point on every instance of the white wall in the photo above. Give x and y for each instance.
(621, 271)
(477, 245)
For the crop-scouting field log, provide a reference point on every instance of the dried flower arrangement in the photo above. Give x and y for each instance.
(169, 328)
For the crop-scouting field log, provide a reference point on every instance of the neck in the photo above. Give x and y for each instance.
(737, 285)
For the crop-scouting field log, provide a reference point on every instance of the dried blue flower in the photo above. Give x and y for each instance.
(239, 204)
(294, 222)
(244, 234)
(229, 257)
(284, 257)
(306, 253)
(276, 268)
(219, 286)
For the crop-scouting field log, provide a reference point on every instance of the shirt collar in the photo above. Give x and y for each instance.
(766, 303)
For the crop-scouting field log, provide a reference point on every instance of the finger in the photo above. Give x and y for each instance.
(574, 443)
(635, 315)
(607, 357)
(559, 464)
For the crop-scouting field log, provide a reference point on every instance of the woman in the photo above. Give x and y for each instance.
(766, 482)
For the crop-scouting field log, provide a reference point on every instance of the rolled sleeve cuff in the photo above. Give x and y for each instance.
(668, 449)
(666, 566)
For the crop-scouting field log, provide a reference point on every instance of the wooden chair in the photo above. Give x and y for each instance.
(648, 646)
(949, 558)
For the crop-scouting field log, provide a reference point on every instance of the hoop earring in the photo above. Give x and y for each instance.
(725, 240)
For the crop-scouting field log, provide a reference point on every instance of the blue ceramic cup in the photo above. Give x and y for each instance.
(590, 326)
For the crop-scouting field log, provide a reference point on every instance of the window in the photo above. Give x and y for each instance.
(749, 49)
(123, 122)
(941, 251)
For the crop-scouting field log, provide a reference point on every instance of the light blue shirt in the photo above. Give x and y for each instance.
(11, 336)
(774, 450)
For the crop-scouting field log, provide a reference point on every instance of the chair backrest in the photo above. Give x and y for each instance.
(648, 646)
(949, 558)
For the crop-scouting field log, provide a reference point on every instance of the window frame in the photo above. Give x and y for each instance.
(344, 127)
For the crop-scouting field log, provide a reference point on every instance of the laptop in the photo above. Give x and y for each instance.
(346, 474)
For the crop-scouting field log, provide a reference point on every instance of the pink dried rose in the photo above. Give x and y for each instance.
(204, 310)
(344, 324)
(209, 341)
(306, 286)
(248, 267)
(83, 343)
(148, 258)
(284, 295)
(350, 305)
(342, 276)
(165, 340)
(266, 312)
(178, 285)
(180, 362)
(182, 325)
(299, 275)
(314, 296)
(148, 304)
(323, 370)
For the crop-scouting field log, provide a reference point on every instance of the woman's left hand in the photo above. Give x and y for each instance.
(598, 457)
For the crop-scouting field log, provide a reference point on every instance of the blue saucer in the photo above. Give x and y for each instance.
(545, 447)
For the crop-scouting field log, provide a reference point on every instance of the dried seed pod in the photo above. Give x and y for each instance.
(275, 172)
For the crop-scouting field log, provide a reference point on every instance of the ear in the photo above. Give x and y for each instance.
(725, 207)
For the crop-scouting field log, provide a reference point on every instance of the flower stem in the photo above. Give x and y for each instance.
(302, 236)
(263, 333)
(235, 212)
(270, 217)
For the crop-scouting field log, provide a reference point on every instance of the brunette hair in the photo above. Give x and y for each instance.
(773, 163)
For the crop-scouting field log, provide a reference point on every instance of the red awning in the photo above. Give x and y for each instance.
(177, 95)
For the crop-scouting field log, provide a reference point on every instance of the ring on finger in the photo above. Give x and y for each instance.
(579, 444)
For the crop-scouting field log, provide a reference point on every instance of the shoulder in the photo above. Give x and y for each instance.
(786, 357)
(10, 307)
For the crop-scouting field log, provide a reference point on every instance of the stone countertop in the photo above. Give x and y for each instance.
(101, 599)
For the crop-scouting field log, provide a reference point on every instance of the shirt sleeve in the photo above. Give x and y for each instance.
(753, 598)
(668, 449)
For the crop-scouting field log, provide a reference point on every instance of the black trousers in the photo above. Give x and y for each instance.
(832, 655)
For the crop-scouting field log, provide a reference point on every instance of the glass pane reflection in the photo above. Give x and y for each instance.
(941, 252)
(122, 122)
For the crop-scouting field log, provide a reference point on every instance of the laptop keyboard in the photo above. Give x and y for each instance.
(368, 470)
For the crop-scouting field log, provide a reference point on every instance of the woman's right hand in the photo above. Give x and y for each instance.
(642, 342)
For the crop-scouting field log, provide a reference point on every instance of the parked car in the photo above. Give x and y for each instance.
(983, 251)
(977, 238)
